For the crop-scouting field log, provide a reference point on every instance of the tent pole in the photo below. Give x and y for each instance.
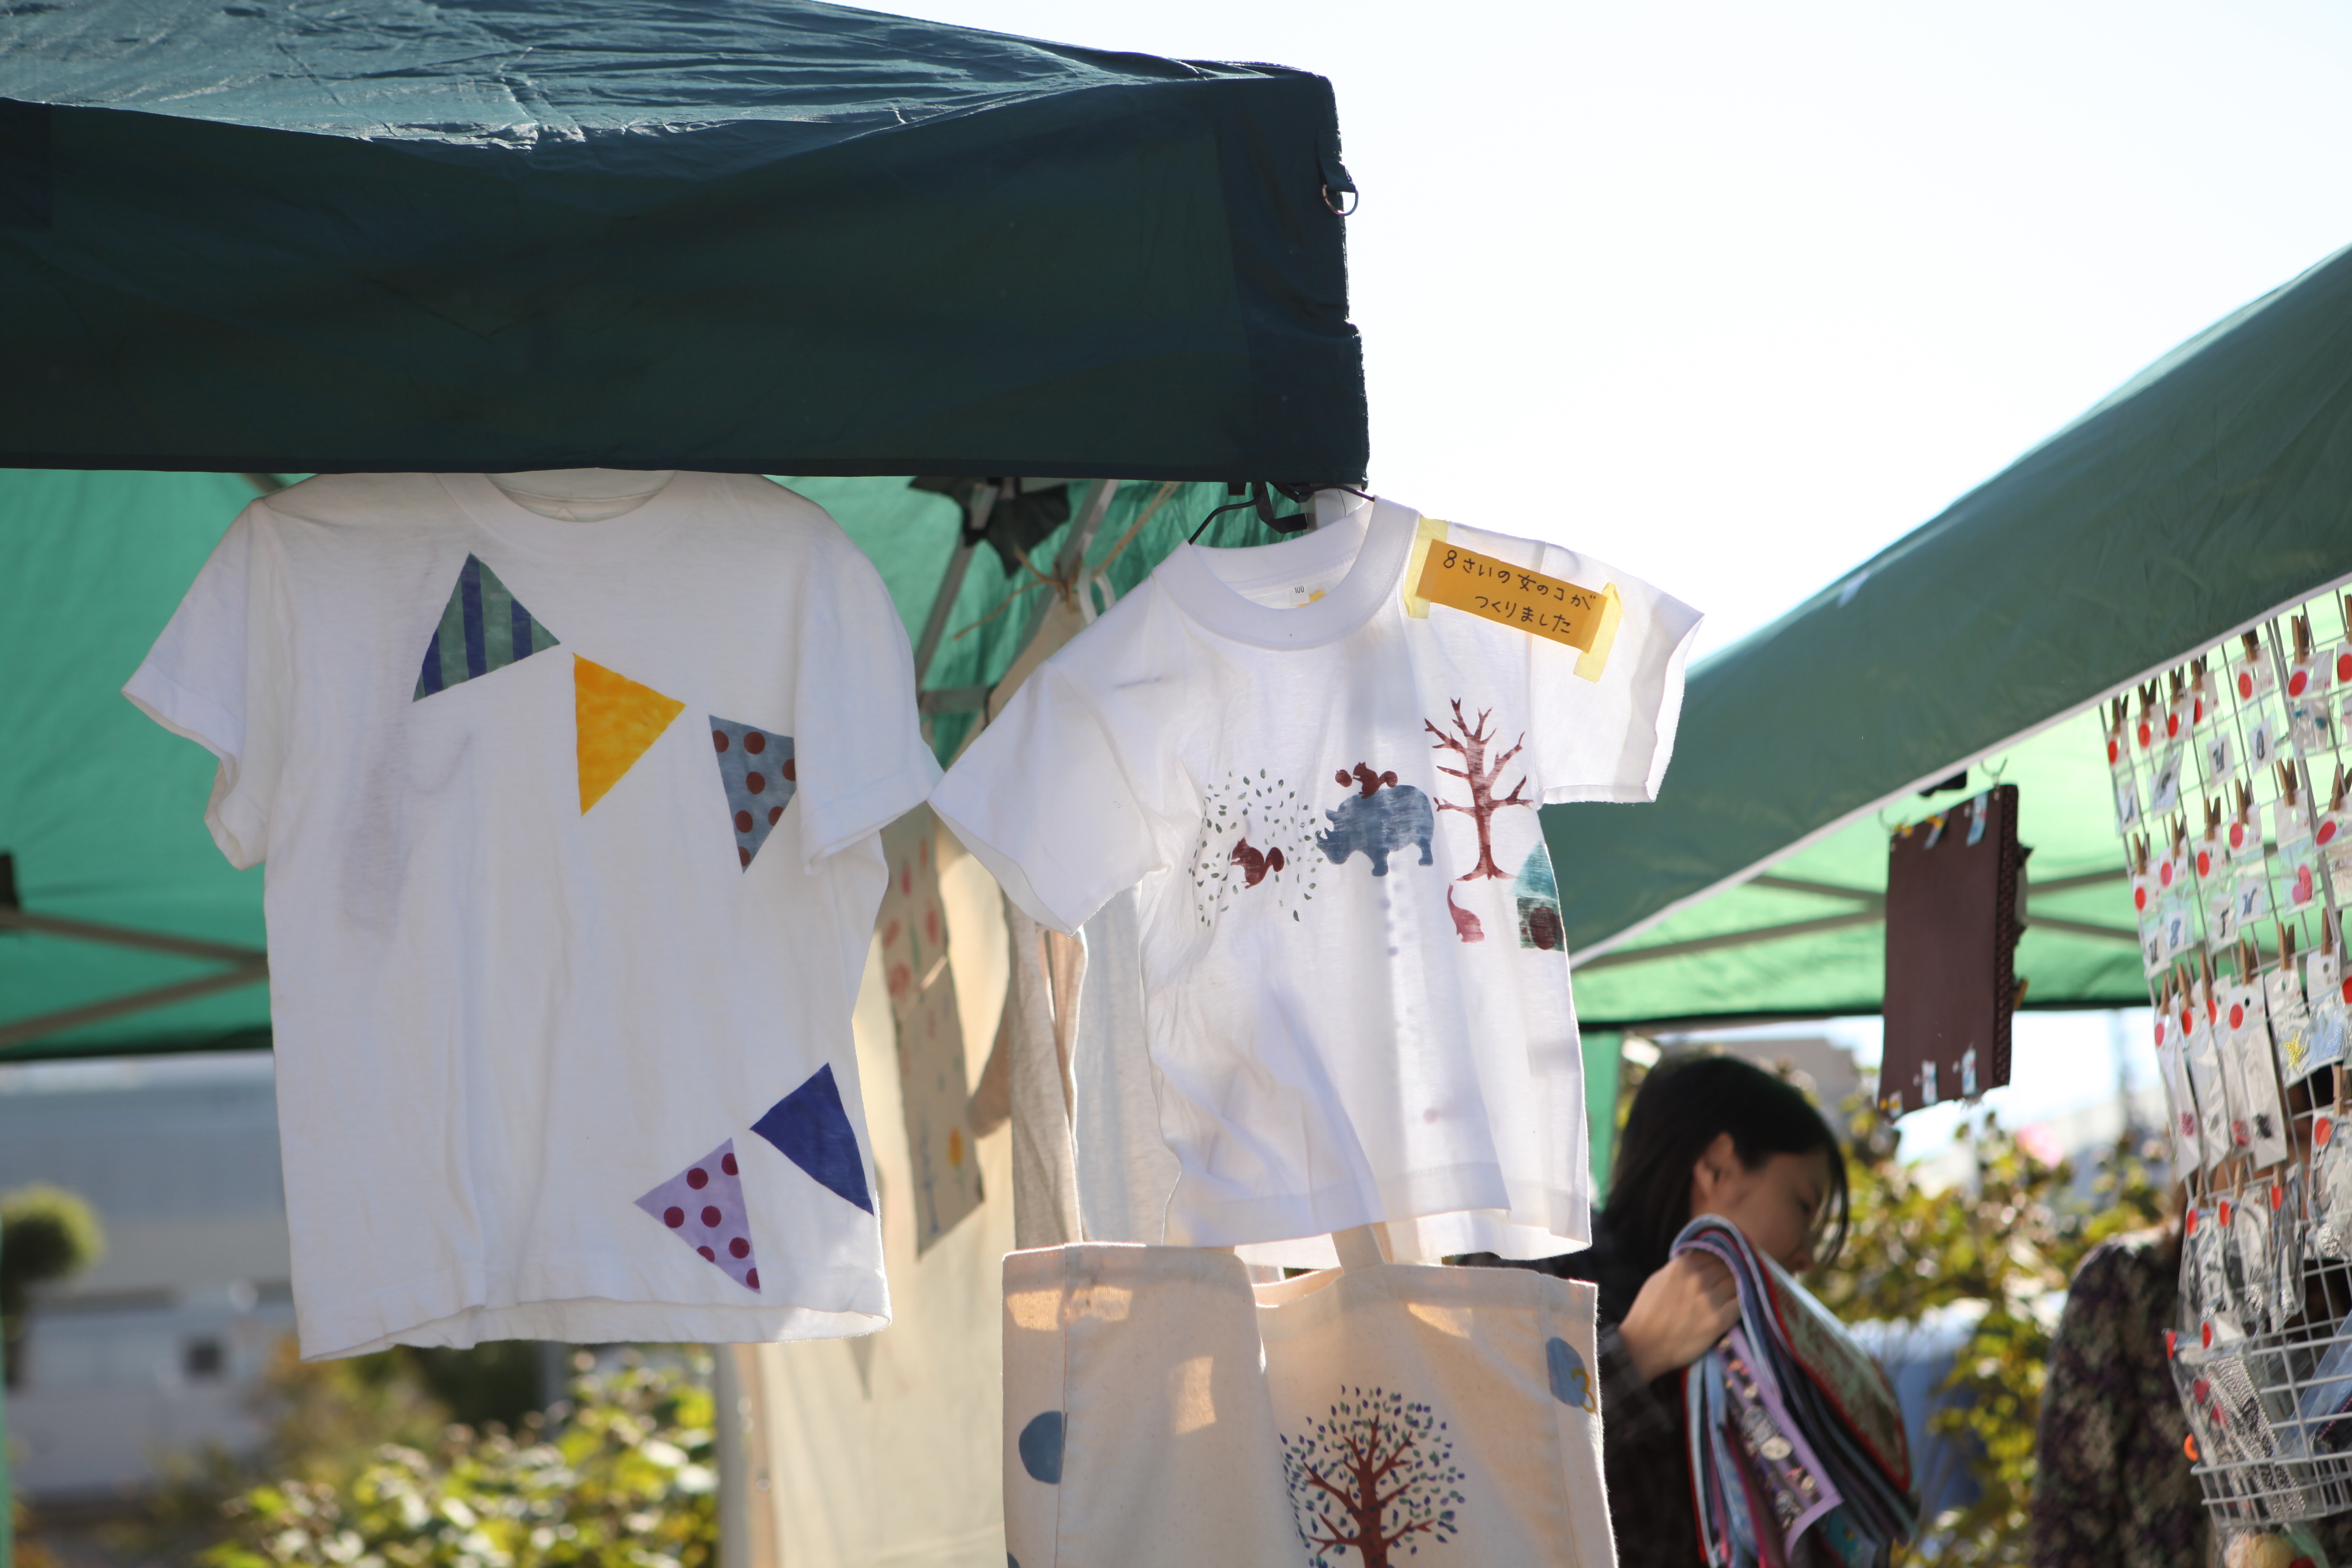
(123, 936)
(43, 1024)
(951, 582)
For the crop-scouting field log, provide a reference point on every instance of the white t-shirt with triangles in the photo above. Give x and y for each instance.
(572, 861)
(1324, 791)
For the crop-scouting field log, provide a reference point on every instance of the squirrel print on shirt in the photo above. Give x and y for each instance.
(1257, 837)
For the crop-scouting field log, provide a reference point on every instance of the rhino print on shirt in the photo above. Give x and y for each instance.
(1383, 819)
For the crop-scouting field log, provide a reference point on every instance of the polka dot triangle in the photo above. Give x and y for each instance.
(702, 1205)
(616, 719)
(756, 771)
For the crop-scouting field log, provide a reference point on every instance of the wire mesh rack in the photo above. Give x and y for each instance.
(2230, 788)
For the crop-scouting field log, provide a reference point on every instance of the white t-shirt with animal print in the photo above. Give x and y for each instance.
(1325, 792)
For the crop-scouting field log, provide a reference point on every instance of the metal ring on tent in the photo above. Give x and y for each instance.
(1337, 211)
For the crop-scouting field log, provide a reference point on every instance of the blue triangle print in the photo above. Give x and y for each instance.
(813, 1130)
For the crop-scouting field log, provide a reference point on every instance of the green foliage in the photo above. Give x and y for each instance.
(46, 1233)
(622, 1478)
(2011, 1243)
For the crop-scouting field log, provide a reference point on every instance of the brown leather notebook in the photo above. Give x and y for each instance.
(1952, 925)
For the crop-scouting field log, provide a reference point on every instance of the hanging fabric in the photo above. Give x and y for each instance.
(1796, 1438)
(1160, 1411)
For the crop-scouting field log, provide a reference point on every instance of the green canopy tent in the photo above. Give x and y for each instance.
(767, 236)
(753, 236)
(2206, 495)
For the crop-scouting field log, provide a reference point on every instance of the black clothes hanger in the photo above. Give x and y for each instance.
(1262, 503)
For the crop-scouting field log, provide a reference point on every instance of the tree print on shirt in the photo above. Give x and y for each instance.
(1379, 1475)
(1255, 833)
(1480, 775)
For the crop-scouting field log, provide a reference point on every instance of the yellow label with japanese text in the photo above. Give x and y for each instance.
(1512, 596)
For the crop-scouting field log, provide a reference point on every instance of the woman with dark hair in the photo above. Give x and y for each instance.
(1706, 1135)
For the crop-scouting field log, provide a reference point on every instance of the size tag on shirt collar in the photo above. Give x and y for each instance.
(1494, 590)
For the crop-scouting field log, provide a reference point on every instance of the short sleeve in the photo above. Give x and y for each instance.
(1604, 720)
(212, 678)
(1043, 801)
(859, 758)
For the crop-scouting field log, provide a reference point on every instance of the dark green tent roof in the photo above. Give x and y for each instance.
(758, 236)
(2209, 493)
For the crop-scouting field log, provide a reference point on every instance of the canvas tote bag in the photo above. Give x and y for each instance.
(1159, 1410)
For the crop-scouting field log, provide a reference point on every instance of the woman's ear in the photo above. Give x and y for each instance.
(1712, 1172)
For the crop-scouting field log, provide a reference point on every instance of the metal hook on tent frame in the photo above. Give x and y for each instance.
(1339, 211)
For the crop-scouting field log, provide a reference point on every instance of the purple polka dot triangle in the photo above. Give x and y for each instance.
(702, 1205)
(756, 770)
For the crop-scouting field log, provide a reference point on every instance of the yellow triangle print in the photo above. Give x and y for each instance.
(616, 719)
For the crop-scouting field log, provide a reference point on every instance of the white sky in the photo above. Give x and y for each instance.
(1731, 295)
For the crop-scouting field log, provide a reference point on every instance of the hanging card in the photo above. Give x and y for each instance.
(2261, 1123)
(2253, 893)
(2221, 914)
(2312, 725)
(2307, 678)
(2331, 1189)
(2214, 1112)
(2339, 663)
(2244, 838)
(2180, 1098)
(2252, 677)
(2286, 1196)
(2210, 853)
(2169, 870)
(2217, 753)
(2177, 919)
(2262, 739)
(2248, 1225)
(2289, 1018)
(2298, 870)
(2127, 811)
(2326, 1019)
(2164, 785)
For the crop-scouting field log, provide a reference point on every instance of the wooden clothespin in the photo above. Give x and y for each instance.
(2301, 625)
(2250, 958)
(2213, 817)
(2286, 946)
(2253, 643)
(2336, 795)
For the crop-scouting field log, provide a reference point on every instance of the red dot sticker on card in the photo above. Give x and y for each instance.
(2202, 1389)
(2327, 829)
(2172, 725)
(2204, 862)
(2189, 1221)
(2159, 1031)
(2188, 1447)
(2278, 1197)
(2139, 898)
(2197, 712)
(2171, 1343)
(2113, 751)
(2206, 1333)
(2188, 1022)
(2225, 1211)
(2245, 683)
(2344, 665)
(2297, 681)
(2146, 734)
(2322, 1129)
(2237, 835)
(2237, 1014)
(2347, 988)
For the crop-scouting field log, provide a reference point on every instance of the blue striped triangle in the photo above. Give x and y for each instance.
(483, 628)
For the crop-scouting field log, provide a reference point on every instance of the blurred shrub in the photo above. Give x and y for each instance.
(620, 1476)
(46, 1233)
